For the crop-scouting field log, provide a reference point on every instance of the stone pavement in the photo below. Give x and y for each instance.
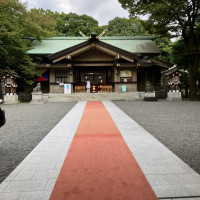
(35, 177)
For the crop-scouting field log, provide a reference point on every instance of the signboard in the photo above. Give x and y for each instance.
(123, 88)
(126, 73)
(9, 81)
(88, 85)
(67, 89)
(3, 87)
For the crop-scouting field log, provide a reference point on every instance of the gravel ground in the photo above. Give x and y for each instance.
(175, 124)
(26, 126)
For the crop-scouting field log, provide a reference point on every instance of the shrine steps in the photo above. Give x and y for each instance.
(58, 97)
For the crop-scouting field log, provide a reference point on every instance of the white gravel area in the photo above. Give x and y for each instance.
(176, 124)
(26, 125)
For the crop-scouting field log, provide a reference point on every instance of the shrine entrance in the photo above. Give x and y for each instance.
(98, 79)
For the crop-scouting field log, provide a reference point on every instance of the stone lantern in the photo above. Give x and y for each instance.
(9, 86)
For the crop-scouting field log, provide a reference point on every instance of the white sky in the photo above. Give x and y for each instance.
(101, 10)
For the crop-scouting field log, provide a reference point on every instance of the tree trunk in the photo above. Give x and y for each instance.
(192, 82)
(193, 58)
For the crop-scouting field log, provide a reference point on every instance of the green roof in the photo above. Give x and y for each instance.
(137, 45)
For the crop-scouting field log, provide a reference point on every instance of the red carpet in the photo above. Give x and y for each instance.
(99, 165)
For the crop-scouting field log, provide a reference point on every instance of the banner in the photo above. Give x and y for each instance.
(67, 88)
(44, 75)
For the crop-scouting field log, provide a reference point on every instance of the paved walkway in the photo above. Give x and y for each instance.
(36, 176)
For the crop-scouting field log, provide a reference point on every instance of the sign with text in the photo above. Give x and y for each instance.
(126, 73)
(88, 86)
(123, 88)
(67, 89)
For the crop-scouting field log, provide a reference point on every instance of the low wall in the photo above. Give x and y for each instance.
(130, 87)
(52, 97)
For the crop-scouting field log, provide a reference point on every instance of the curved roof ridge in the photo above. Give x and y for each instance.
(136, 44)
(104, 38)
(129, 37)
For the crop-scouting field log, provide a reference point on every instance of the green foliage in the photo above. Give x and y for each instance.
(180, 53)
(164, 16)
(16, 22)
(165, 45)
(126, 27)
(99, 29)
(39, 25)
(70, 24)
(74, 23)
(174, 18)
(180, 57)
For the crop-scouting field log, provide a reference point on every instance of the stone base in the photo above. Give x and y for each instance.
(11, 99)
(150, 96)
(110, 96)
(37, 98)
(36, 102)
(174, 95)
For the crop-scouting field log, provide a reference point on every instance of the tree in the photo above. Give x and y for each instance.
(126, 27)
(38, 25)
(174, 19)
(70, 24)
(165, 45)
(16, 22)
(99, 29)
(59, 18)
(74, 23)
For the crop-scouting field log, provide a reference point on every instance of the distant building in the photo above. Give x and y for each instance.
(108, 63)
(172, 78)
(8, 80)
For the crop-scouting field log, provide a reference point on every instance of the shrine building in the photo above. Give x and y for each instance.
(108, 63)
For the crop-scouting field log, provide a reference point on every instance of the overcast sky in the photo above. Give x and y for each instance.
(101, 10)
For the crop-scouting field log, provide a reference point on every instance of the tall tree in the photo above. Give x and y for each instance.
(16, 22)
(126, 27)
(74, 23)
(165, 45)
(174, 18)
(59, 18)
(70, 24)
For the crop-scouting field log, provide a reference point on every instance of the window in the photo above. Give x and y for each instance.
(61, 76)
(125, 79)
(97, 78)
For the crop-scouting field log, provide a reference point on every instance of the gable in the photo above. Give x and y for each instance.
(92, 45)
(93, 55)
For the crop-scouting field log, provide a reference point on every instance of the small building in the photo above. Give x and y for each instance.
(172, 78)
(8, 80)
(108, 63)
(9, 86)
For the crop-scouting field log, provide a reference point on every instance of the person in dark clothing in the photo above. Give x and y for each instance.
(2, 115)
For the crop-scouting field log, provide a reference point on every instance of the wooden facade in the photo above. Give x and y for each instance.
(172, 78)
(107, 67)
(8, 80)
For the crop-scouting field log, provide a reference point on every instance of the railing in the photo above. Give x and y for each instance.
(106, 88)
(103, 88)
(79, 89)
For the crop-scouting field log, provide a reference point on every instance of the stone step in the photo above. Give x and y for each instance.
(58, 97)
